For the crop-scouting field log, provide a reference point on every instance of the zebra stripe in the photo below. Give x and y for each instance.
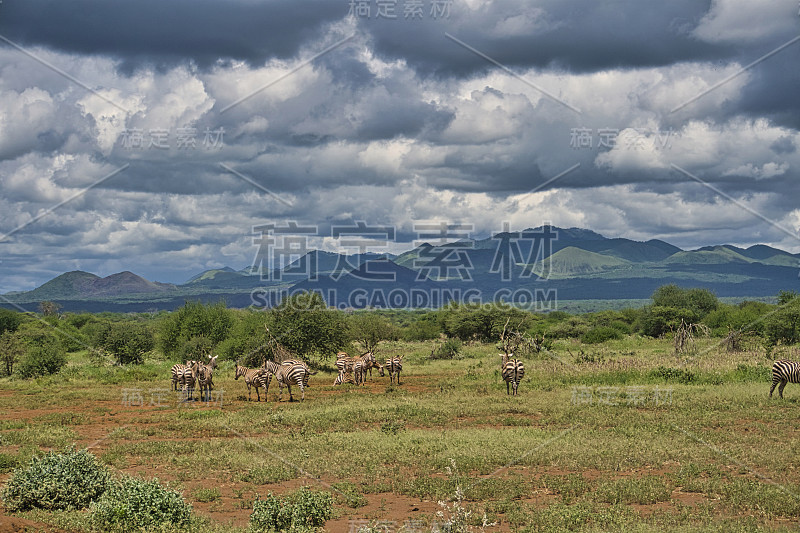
(188, 376)
(205, 378)
(512, 371)
(345, 378)
(394, 365)
(368, 362)
(784, 372)
(294, 374)
(255, 378)
(177, 371)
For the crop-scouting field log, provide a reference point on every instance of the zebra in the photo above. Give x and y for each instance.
(512, 371)
(255, 378)
(344, 363)
(291, 374)
(784, 372)
(309, 373)
(177, 372)
(345, 378)
(368, 362)
(188, 376)
(205, 378)
(394, 365)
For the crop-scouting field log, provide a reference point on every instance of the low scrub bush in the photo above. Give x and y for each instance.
(68, 480)
(600, 334)
(132, 503)
(302, 510)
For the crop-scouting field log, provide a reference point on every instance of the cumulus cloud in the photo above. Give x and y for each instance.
(396, 125)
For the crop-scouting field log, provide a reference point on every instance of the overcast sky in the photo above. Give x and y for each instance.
(192, 121)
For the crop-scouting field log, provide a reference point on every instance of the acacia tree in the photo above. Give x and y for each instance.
(11, 350)
(369, 329)
(304, 324)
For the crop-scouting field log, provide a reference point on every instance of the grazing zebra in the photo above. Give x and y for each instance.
(394, 365)
(255, 378)
(293, 374)
(345, 378)
(205, 378)
(368, 362)
(784, 372)
(512, 371)
(177, 372)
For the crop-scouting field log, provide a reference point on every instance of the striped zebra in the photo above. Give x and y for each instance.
(394, 365)
(205, 378)
(188, 377)
(292, 374)
(177, 372)
(784, 372)
(255, 378)
(346, 377)
(344, 363)
(512, 371)
(309, 373)
(368, 362)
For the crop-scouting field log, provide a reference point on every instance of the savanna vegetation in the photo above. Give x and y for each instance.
(649, 419)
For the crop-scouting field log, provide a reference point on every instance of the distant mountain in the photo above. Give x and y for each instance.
(79, 285)
(550, 262)
(570, 262)
(211, 274)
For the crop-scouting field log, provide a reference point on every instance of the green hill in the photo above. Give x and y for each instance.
(571, 261)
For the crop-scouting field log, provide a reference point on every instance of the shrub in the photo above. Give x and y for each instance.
(68, 480)
(449, 350)
(42, 361)
(132, 503)
(302, 510)
(11, 351)
(600, 334)
(128, 341)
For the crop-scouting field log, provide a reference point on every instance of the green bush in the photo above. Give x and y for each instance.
(600, 334)
(132, 503)
(68, 480)
(42, 361)
(302, 510)
(449, 350)
(128, 342)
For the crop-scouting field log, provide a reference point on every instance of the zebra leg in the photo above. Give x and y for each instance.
(780, 388)
(302, 392)
(774, 384)
(507, 390)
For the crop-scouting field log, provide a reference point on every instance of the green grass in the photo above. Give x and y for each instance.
(657, 428)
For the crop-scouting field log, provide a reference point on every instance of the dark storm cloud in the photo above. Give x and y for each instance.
(571, 36)
(159, 32)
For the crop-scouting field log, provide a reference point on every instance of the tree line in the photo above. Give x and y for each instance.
(33, 344)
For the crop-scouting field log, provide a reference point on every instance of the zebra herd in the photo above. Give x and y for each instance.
(354, 369)
(195, 372)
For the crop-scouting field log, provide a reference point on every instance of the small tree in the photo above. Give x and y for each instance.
(11, 350)
(48, 308)
(303, 324)
(44, 353)
(9, 321)
(369, 329)
(128, 342)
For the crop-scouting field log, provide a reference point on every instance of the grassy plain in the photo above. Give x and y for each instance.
(610, 437)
